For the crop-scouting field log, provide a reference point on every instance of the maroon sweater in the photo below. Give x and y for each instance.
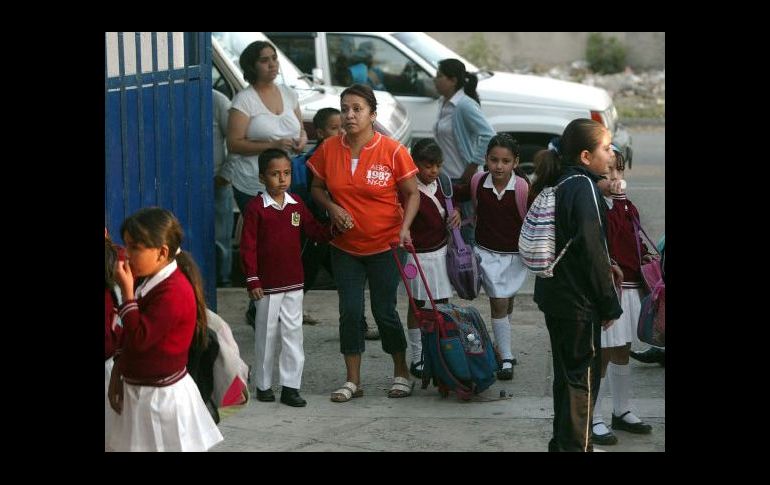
(270, 244)
(622, 240)
(498, 222)
(158, 329)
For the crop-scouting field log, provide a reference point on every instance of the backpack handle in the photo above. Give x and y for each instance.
(410, 248)
(447, 192)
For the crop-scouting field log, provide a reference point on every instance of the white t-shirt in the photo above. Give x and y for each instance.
(263, 125)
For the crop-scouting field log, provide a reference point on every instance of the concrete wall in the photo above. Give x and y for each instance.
(646, 50)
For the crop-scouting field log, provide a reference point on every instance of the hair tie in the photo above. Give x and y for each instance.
(178, 250)
(553, 145)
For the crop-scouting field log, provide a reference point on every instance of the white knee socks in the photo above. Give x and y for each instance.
(620, 381)
(603, 391)
(415, 344)
(502, 330)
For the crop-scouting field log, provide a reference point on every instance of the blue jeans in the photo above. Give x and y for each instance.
(223, 232)
(350, 275)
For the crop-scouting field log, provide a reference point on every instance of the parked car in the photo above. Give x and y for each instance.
(392, 117)
(532, 109)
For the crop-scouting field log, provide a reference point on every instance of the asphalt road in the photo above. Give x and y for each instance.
(647, 178)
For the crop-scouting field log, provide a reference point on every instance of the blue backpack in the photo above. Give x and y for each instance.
(299, 183)
(457, 352)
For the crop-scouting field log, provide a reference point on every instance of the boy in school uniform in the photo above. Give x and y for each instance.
(271, 256)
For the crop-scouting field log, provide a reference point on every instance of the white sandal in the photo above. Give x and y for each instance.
(345, 393)
(402, 387)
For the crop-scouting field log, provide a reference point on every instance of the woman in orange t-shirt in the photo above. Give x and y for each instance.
(357, 179)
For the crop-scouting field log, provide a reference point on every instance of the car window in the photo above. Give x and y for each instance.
(300, 50)
(430, 49)
(233, 44)
(373, 61)
(219, 83)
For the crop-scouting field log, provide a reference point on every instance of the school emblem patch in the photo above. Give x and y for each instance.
(295, 219)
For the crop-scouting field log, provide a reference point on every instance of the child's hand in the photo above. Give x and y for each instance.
(125, 279)
(115, 390)
(617, 186)
(455, 220)
(256, 293)
(647, 258)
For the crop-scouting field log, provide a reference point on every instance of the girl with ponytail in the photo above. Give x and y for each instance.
(158, 405)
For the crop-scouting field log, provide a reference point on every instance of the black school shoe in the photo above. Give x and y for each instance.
(265, 396)
(506, 374)
(291, 397)
(653, 355)
(638, 428)
(603, 439)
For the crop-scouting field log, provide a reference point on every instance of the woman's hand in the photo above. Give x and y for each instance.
(300, 143)
(606, 324)
(341, 218)
(256, 294)
(648, 258)
(285, 144)
(115, 389)
(404, 237)
(455, 220)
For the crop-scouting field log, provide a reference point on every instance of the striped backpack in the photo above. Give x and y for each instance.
(537, 240)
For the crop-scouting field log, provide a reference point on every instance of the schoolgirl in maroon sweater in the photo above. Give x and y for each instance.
(429, 237)
(498, 224)
(627, 251)
(159, 405)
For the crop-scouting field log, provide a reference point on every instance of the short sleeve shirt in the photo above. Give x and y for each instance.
(370, 194)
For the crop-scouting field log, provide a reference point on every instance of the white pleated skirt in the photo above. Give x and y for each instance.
(171, 418)
(109, 414)
(622, 331)
(434, 266)
(502, 274)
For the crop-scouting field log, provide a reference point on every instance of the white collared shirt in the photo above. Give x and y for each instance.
(152, 282)
(489, 185)
(430, 190)
(269, 201)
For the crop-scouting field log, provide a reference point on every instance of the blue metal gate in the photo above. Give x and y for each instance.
(158, 135)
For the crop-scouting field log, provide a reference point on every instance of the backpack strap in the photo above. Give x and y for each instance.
(445, 185)
(475, 180)
(522, 192)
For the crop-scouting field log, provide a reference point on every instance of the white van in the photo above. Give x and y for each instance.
(226, 75)
(531, 108)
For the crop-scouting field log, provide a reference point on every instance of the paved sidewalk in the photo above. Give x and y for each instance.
(423, 421)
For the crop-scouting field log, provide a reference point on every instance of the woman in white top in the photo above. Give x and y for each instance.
(263, 116)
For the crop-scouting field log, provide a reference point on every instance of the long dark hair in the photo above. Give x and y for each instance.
(153, 227)
(580, 134)
(454, 68)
